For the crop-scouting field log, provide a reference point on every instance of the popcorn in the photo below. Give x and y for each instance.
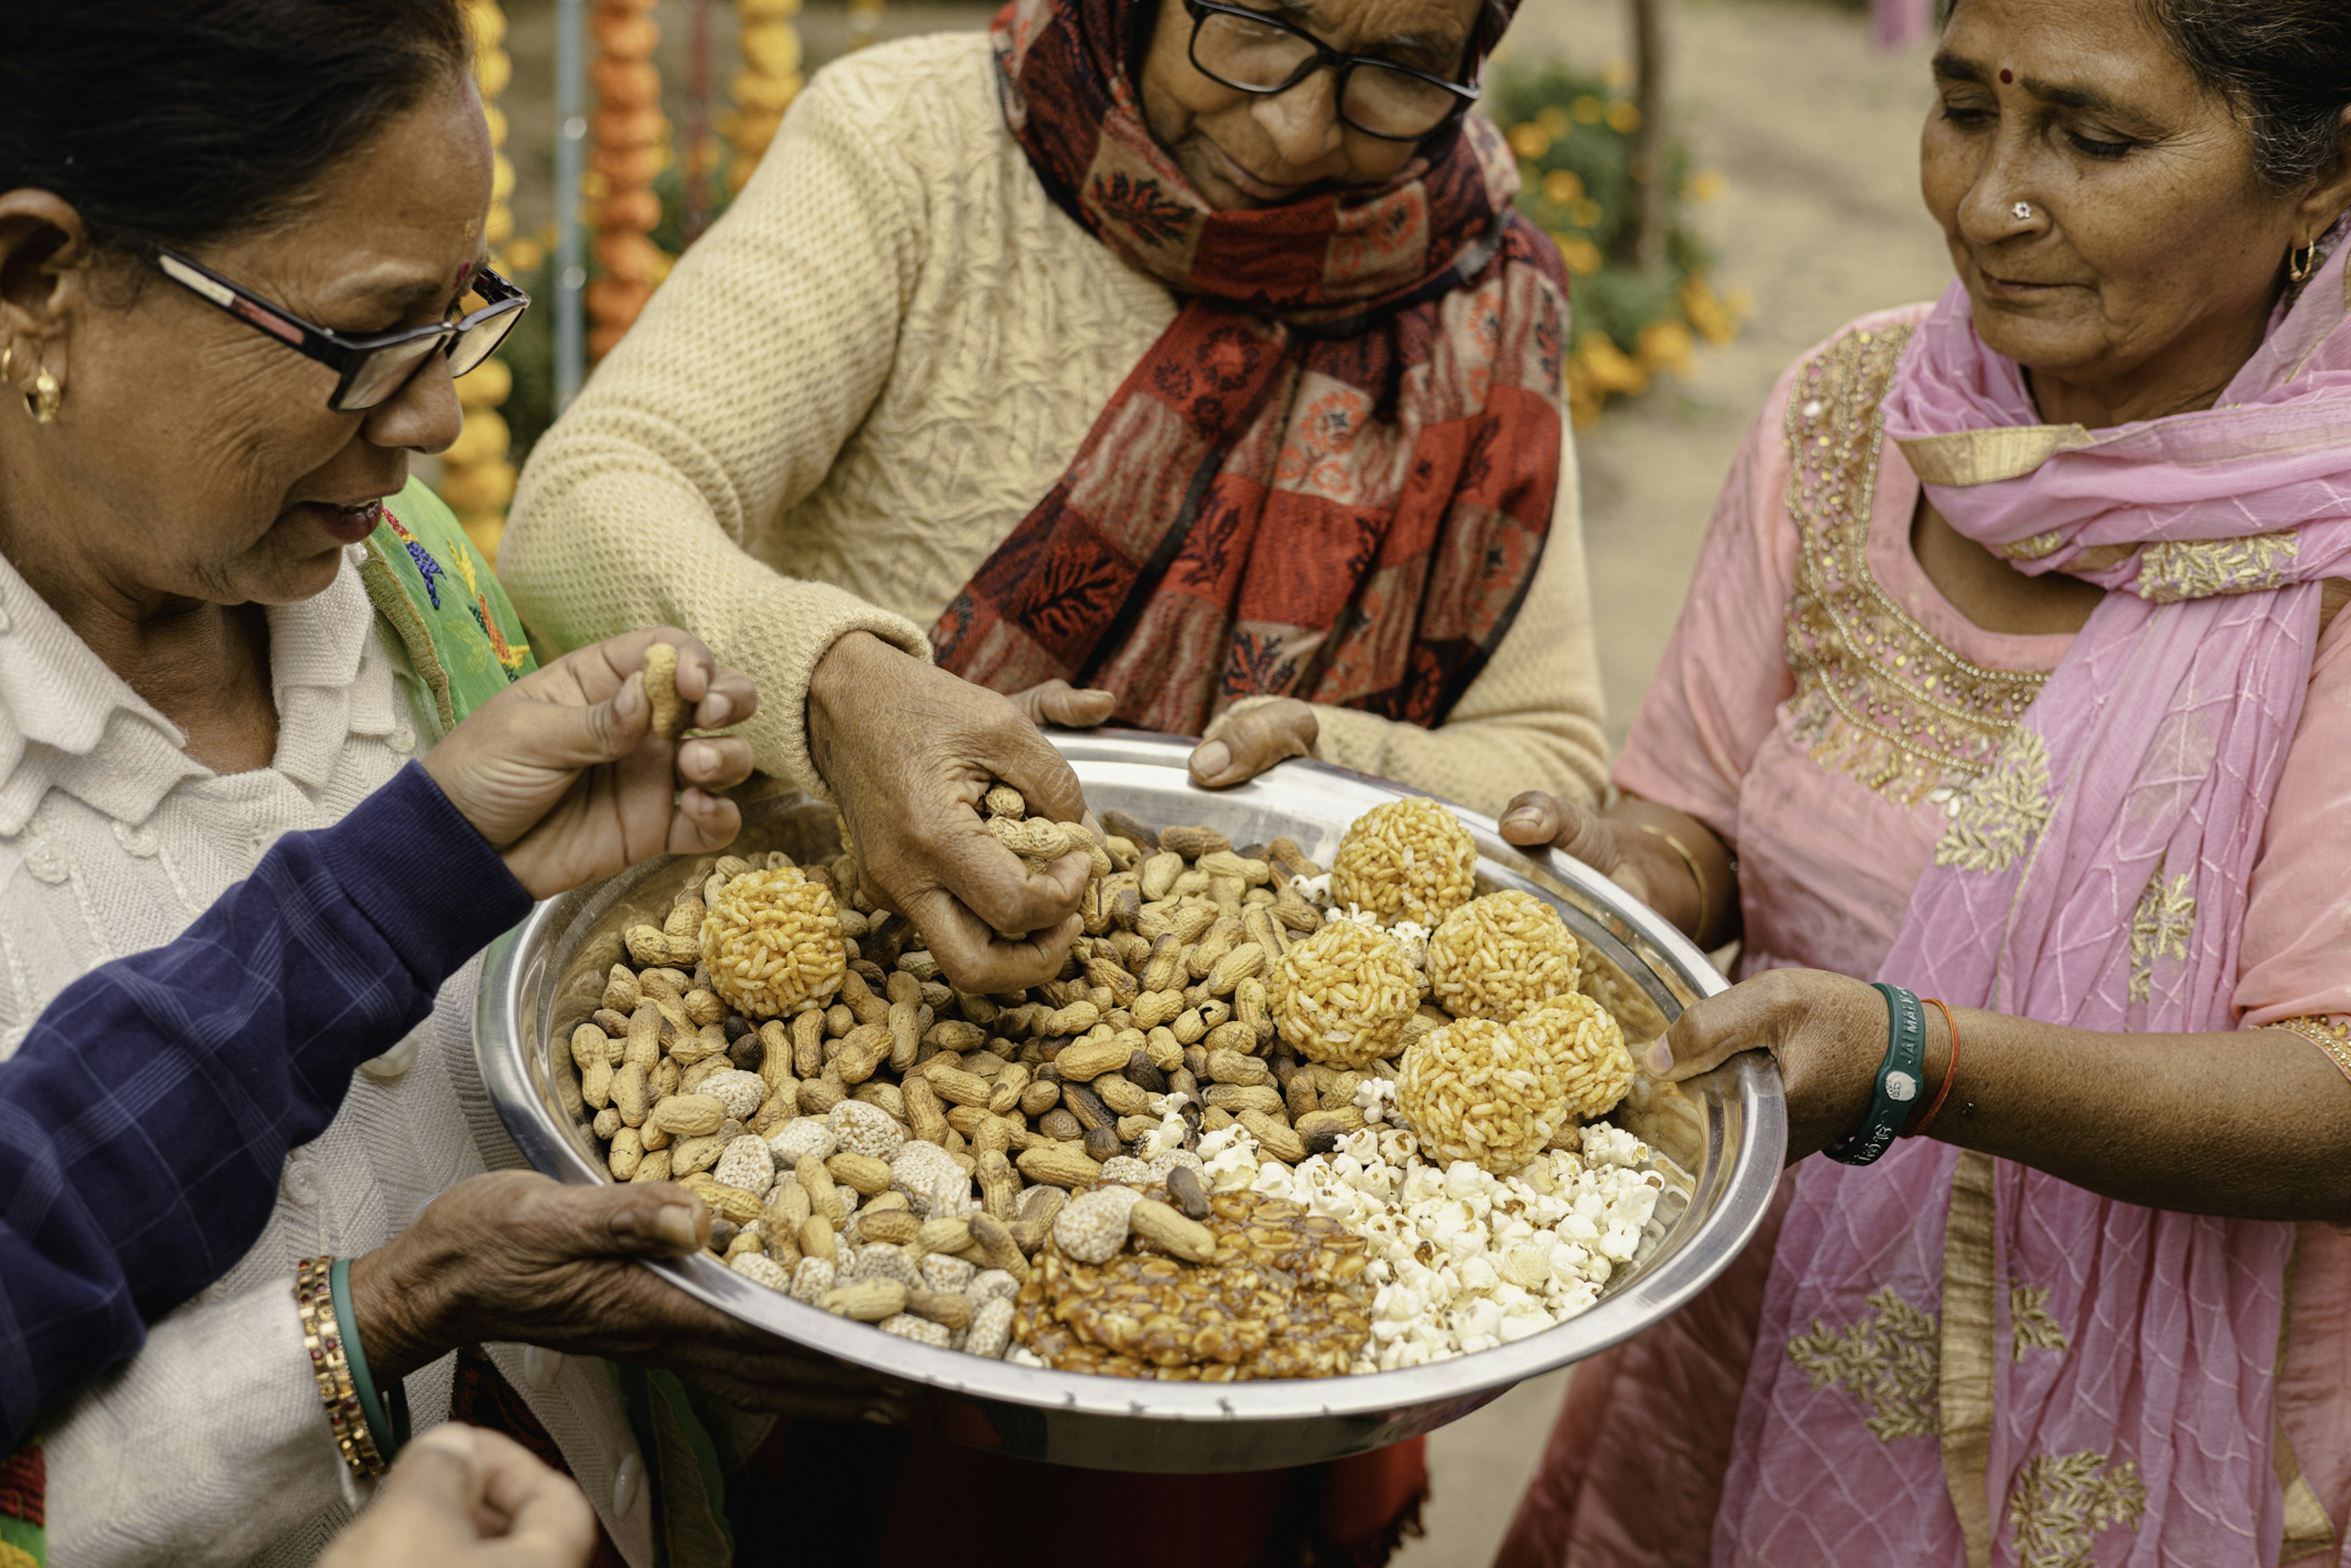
(1462, 1260)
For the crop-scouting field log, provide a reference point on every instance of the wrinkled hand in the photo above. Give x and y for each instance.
(562, 773)
(1536, 821)
(1240, 746)
(908, 751)
(1826, 1031)
(1071, 707)
(461, 1497)
(513, 1256)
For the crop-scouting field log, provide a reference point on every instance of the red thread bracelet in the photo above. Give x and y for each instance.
(1951, 1071)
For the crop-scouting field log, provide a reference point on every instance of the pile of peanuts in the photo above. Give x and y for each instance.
(1233, 1138)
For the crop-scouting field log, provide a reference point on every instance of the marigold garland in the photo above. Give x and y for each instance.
(477, 479)
(631, 146)
(769, 81)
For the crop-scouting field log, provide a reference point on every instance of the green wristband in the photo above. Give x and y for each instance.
(1900, 1076)
(386, 1421)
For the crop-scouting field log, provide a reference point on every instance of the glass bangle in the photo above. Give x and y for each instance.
(1901, 1077)
(387, 1419)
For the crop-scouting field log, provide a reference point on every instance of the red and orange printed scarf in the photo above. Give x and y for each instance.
(1332, 475)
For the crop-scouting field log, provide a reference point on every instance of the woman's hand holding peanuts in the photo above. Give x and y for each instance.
(565, 774)
(909, 752)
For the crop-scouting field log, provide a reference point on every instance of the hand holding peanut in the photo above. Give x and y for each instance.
(570, 773)
(909, 752)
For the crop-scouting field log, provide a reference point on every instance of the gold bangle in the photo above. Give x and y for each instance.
(322, 1338)
(2330, 1035)
(1705, 901)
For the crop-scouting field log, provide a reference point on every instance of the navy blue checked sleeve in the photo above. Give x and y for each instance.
(145, 1119)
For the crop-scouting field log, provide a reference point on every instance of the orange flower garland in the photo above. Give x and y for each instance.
(631, 146)
(477, 479)
(769, 81)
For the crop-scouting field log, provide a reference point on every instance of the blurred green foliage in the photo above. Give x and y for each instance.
(1572, 129)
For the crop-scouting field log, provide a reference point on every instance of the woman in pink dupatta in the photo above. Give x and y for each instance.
(2011, 675)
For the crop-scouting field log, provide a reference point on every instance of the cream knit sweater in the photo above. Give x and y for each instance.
(862, 379)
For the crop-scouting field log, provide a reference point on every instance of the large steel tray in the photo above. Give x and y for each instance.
(1724, 1136)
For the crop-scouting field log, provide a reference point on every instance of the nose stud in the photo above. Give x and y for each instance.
(2021, 211)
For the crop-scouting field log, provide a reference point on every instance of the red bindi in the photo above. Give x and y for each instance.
(2006, 75)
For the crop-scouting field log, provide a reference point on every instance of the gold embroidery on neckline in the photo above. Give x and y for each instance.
(2160, 928)
(2198, 569)
(1876, 694)
(2030, 1327)
(1891, 1361)
(2059, 1503)
(1996, 819)
(2035, 548)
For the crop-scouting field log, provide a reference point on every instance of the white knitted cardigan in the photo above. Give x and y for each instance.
(210, 1445)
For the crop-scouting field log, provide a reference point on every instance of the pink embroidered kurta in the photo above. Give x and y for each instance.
(1825, 710)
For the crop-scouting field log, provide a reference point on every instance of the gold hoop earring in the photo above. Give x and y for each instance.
(2301, 261)
(42, 401)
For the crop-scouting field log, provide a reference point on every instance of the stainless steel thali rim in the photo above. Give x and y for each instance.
(1733, 1184)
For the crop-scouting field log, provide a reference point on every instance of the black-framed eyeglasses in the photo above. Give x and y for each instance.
(1250, 51)
(372, 368)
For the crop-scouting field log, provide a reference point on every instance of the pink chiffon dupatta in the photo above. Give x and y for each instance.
(1963, 1360)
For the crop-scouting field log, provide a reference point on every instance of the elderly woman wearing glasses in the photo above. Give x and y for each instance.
(1173, 364)
(241, 257)
(1178, 364)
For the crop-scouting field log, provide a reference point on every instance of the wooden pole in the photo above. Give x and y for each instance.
(1642, 241)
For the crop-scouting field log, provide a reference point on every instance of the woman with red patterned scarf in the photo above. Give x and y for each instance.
(1183, 365)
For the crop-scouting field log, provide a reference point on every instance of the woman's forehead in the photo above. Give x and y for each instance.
(1441, 27)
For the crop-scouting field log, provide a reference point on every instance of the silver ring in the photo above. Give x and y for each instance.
(2022, 211)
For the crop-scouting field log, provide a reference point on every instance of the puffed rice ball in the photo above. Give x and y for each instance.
(1581, 1035)
(772, 944)
(1405, 859)
(1483, 1092)
(1342, 995)
(1501, 956)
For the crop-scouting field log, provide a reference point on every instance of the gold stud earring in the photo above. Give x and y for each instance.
(42, 401)
(2301, 261)
(44, 398)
